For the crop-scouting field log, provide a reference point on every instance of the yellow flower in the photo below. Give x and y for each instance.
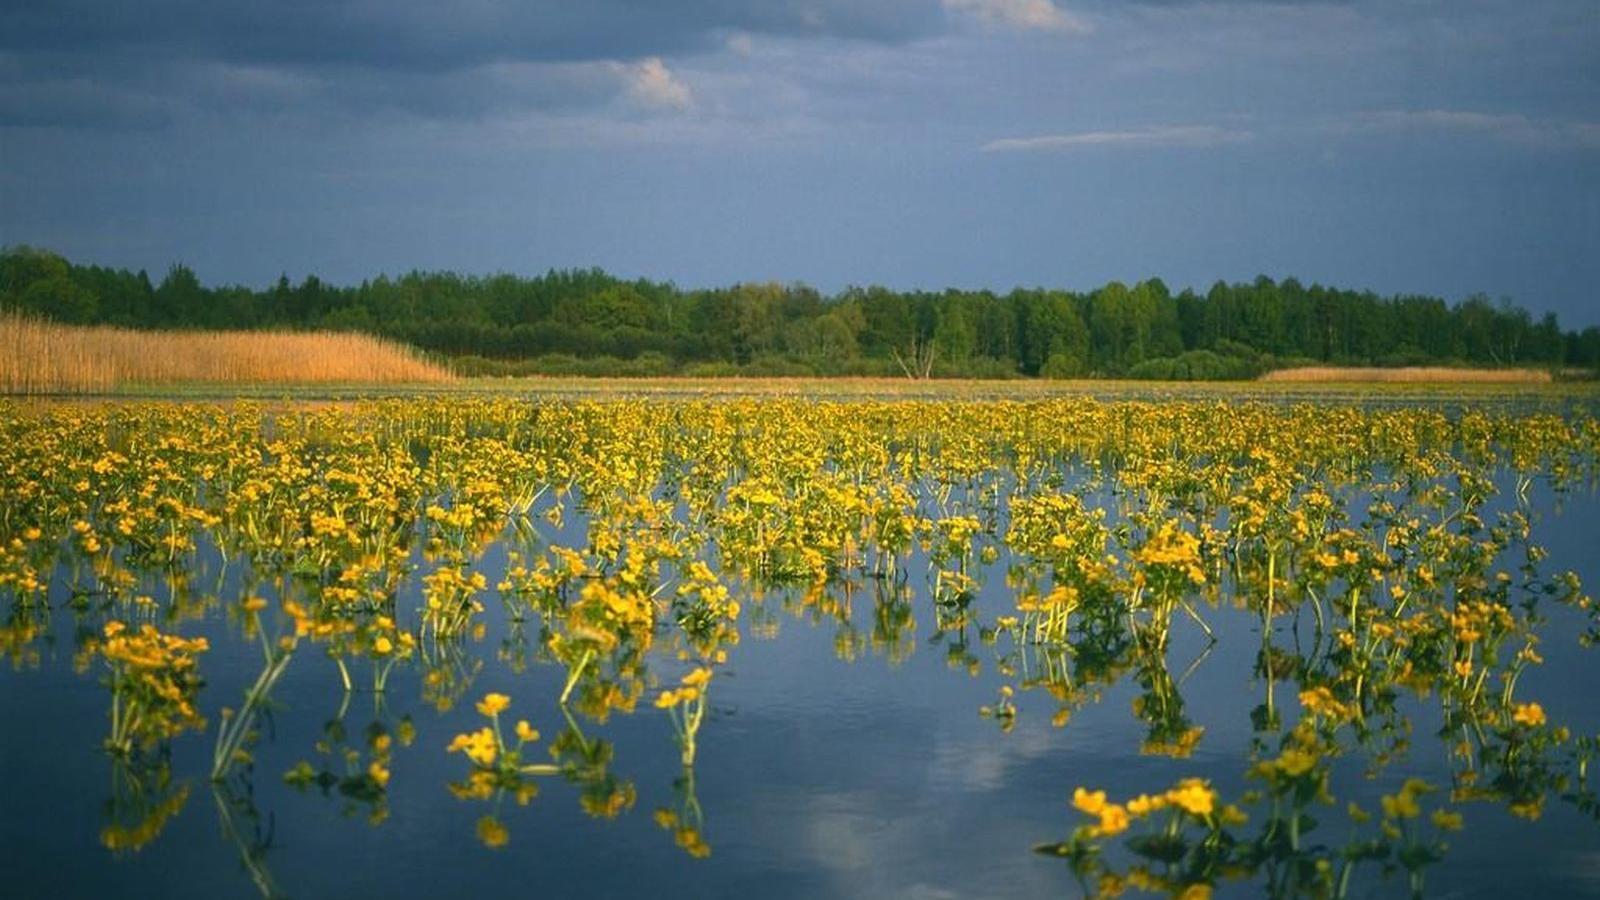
(1194, 797)
(1528, 809)
(1113, 820)
(1144, 804)
(526, 732)
(493, 704)
(692, 843)
(1445, 820)
(480, 746)
(1089, 802)
(482, 752)
(1110, 885)
(382, 646)
(1295, 762)
(1321, 701)
(1529, 714)
(493, 834)
(1400, 806)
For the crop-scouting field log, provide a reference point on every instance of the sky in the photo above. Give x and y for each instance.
(1442, 147)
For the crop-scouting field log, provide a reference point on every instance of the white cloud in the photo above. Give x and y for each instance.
(1432, 119)
(1025, 15)
(652, 85)
(740, 44)
(1511, 127)
(1154, 136)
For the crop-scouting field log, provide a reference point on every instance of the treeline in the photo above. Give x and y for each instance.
(586, 321)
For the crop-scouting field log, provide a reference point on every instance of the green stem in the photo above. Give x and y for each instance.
(574, 675)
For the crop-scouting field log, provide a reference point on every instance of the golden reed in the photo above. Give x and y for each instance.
(1411, 374)
(38, 356)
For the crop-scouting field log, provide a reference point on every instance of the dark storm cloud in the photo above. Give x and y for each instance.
(119, 93)
(130, 65)
(422, 35)
(1436, 146)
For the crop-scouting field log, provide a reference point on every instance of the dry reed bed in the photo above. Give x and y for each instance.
(38, 356)
(1410, 375)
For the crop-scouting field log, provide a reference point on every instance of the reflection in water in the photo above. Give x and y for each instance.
(448, 672)
(1160, 705)
(143, 799)
(498, 769)
(356, 771)
(1390, 628)
(1065, 549)
(26, 625)
(586, 762)
(684, 819)
(239, 728)
(242, 826)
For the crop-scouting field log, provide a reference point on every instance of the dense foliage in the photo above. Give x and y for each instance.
(589, 322)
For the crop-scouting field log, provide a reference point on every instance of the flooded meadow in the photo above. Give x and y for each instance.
(875, 647)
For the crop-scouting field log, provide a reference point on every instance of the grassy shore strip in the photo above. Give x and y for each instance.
(1558, 397)
(1014, 389)
(1408, 375)
(40, 357)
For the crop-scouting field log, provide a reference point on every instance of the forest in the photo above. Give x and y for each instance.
(585, 321)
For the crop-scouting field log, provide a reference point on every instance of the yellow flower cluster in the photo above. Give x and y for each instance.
(1174, 549)
(1403, 804)
(481, 746)
(154, 681)
(689, 689)
(1529, 714)
(1192, 796)
(1320, 701)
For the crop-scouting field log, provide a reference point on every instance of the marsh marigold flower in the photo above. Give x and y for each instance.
(493, 704)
